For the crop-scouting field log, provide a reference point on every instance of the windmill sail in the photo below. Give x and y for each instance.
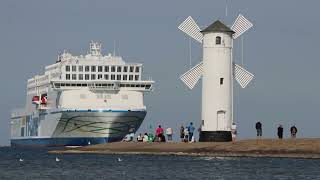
(242, 76)
(190, 27)
(191, 77)
(240, 26)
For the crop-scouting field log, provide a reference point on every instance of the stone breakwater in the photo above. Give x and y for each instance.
(297, 148)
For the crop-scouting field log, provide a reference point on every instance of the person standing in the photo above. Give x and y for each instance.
(293, 131)
(159, 133)
(234, 132)
(191, 129)
(259, 129)
(169, 133)
(182, 133)
(280, 131)
(186, 134)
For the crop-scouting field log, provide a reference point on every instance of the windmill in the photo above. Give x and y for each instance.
(217, 71)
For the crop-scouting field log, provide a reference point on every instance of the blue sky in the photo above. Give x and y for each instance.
(281, 50)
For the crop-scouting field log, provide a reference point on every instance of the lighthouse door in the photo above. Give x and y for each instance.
(221, 116)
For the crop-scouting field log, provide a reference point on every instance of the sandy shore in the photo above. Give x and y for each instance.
(299, 148)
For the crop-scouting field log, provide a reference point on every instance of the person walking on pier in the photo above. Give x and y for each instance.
(191, 129)
(280, 131)
(182, 133)
(169, 133)
(234, 132)
(259, 129)
(293, 131)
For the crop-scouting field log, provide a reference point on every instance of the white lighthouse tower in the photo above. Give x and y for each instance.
(217, 71)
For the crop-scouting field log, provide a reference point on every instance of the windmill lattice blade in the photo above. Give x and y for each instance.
(190, 27)
(191, 77)
(242, 76)
(240, 26)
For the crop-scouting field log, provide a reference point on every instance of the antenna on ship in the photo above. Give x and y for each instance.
(95, 48)
(217, 71)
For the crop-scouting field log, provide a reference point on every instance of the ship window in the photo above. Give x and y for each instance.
(57, 85)
(148, 86)
(84, 85)
(137, 85)
(221, 81)
(74, 68)
(136, 77)
(113, 77)
(131, 68)
(78, 85)
(86, 76)
(130, 77)
(121, 85)
(74, 76)
(99, 76)
(80, 76)
(106, 69)
(67, 76)
(80, 68)
(113, 69)
(87, 68)
(67, 68)
(106, 77)
(137, 69)
(127, 85)
(119, 69)
(118, 77)
(73, 85)
(218, 40)
(93, 76)
(93, 68)
(99, 68)
(125, 68)
(62, 84)
(125, 77)
(67, 84)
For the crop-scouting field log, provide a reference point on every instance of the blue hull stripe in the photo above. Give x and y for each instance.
(82, 141)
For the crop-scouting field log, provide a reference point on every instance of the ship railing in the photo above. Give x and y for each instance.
(18, 112)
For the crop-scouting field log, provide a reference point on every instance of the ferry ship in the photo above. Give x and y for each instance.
(82, 100)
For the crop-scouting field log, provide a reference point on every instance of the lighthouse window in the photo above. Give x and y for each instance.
(221, 81)
(67, 76)
(130, 77)
(67, 68)
(86, 76)
(106, 76)
(74, 68)
(118, 77)
(99, 76)
(87, 68)
(137, 69)
(93, 76)
(113, 77)
(218, 40)
(125, 77)
(74, 76)
(136, 77)
(80, 76)
(125, 68)
(106, 69)
(93, 68)
(113, 69)
(99, 68)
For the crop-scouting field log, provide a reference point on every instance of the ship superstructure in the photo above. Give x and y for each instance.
(80, 100)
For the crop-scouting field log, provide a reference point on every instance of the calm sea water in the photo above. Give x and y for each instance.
(38, 164)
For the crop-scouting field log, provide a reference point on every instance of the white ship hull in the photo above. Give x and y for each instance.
(83, 127)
